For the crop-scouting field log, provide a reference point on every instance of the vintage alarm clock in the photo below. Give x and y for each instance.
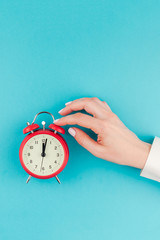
(43, 152)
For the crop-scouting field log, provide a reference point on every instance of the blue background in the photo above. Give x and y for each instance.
(52, 52)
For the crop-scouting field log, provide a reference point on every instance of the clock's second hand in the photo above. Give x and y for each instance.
(41, 164)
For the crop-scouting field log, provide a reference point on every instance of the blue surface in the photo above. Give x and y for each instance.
(52, 52)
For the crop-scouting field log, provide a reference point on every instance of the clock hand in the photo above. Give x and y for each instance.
(45, 145)
(43, 152)
(44, 148)
(41, 164)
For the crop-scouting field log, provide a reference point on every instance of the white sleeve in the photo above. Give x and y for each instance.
(151, 169)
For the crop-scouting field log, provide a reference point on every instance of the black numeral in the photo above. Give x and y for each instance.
(28, 154)
(30, 161)
(36, 142)
(57, 154)
(31, 147)
(55, 147)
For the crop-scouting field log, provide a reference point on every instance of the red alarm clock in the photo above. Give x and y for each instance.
(43, 152)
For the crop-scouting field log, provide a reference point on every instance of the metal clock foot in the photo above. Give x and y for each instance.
(28, 178)
(57, 179)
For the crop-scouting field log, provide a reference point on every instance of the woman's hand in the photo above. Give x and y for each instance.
(115, 142)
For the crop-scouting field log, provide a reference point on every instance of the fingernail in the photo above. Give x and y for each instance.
(72, 132)
(68, 103)
(56, 120)
(60, 110)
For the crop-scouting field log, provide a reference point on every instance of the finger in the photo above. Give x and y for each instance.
(85, 141)
(106, 106)
(99, 102)
(103, 104)
(91, 105)
(80, 119)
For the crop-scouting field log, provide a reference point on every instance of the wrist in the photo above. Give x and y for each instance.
(141, 154)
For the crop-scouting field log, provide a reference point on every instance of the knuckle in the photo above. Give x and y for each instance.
(66, 119)
(85, 99)
(95, 99)
(87, 102)
(80, 138)
(78, 115)
(105, 103)
(81, 141)
(61, 119)
(70, 107)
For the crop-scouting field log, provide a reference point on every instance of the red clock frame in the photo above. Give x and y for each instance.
(51, 133)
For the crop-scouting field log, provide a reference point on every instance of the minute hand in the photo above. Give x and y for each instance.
(43, 152)
(44, 148)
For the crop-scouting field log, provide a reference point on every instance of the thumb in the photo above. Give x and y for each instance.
(84, 140)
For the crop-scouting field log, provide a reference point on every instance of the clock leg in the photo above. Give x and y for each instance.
(57, 179)
(28, 178)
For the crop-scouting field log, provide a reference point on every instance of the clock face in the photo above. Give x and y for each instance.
(43, 154)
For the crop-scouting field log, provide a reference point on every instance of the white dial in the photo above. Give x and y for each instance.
(43, 154)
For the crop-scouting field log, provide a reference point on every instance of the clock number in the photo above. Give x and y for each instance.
(31, 147)
(30, 161)
(57, 154)
(36, 166)
(43, 168)
(36, 142)
(28, 154)
(55, 147)
(55, 161)
(50, 166)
